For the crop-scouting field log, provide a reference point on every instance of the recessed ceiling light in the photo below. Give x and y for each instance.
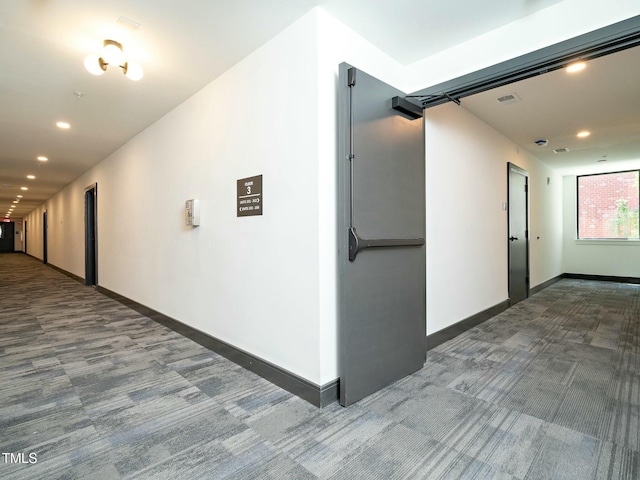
(16, 201)
(24, 188)
(63, 125)
(576, 67)
(31, 177)
(42, 159)
(583, 134)
(19, 196)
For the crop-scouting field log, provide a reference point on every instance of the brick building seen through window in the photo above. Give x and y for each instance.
(608, 205)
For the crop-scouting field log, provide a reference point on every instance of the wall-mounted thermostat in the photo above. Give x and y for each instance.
(192, 212)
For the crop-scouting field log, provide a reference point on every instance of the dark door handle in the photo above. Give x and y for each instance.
(357, 243)
(512, 238)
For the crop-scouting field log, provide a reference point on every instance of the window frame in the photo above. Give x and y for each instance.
(608, 239)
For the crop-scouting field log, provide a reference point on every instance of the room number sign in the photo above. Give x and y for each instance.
(250, 196)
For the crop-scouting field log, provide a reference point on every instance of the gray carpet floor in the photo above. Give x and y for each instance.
(549, 389)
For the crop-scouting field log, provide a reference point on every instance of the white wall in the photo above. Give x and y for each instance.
(34, 232)
(466, 178)
(595, 257)
(252, 282)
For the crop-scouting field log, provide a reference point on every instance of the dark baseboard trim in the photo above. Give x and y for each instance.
(462, 326)
(602, 278)
(68, 274)
(546, 284)
(318, 395)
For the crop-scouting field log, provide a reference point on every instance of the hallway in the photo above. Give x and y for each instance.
(549, 389)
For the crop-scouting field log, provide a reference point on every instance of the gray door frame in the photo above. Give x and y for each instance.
(603, 41)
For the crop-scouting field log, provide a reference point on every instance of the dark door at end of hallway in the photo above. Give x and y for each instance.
(90, 236)
(45, 247)
(518, 187)
(7, 240)
(382, 259)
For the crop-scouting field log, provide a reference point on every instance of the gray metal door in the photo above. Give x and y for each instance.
(381, 230)
(45, 246)
(90, 272)
(518, 234)
(7, 240)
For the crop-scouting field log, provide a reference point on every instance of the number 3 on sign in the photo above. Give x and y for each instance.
(248, 190)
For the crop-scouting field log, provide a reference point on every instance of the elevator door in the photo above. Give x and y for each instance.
(382, 260)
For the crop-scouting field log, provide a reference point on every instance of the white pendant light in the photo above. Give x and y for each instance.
(112, 54)
(133, 71)
(94, 66)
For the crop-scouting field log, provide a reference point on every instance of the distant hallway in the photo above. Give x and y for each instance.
(548, 389)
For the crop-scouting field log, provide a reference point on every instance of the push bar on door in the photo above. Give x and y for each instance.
(357, 243)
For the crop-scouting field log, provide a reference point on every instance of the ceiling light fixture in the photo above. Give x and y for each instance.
(112, 54)
(583, 134)
(576, 67)
(31, 177)
(24, 188)
(42, 159)
(63, 125)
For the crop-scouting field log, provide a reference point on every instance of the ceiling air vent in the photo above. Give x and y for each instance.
(128, 24)
(561, 150)
(509, 99)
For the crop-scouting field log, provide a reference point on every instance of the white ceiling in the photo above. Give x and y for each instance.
(182, 47)
(603, 99)
(411, 30)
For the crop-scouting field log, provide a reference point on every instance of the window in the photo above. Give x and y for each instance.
(608, 205)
